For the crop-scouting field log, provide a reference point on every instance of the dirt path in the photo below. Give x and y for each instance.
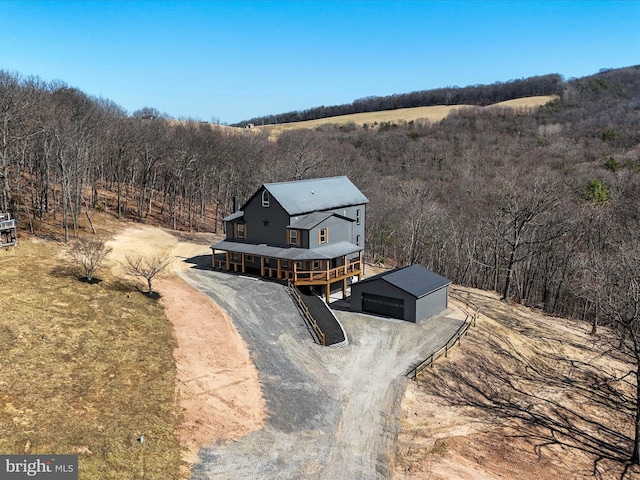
(217, 393)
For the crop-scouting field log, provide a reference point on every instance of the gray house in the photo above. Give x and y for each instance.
(410, 293)
(310, 232)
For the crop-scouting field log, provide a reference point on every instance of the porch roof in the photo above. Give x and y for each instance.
(325, 252)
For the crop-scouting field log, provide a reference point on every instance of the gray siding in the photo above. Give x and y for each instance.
(338, 228)
(275, 233)
(432, 304)
(351, 212)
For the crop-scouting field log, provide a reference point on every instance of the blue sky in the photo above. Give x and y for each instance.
(233, 60)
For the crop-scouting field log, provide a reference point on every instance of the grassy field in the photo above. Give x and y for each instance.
(85, 368)
(431, 114)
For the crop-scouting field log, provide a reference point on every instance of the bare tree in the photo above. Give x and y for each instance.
(146, 267)
(523, 210)
(88, 254)
(620, 304)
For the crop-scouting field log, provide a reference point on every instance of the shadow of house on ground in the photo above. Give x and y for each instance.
(200, 262)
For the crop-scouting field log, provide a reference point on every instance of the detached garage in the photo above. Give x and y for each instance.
(410, 293)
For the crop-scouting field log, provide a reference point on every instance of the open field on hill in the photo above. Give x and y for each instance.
(84, 368)
(88, 368)
(431, 114)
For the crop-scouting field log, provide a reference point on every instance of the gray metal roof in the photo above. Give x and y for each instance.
(416, 280)
(326, 252)
(307, 222)
(303, 196)
(233, 216)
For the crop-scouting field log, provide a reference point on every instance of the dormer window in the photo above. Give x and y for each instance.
(241, 230)
(265, 198)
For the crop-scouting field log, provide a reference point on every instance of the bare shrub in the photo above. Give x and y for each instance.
(88, 254)
(146, 267)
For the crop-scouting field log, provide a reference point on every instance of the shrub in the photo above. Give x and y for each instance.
(88, 254)
(595, 191)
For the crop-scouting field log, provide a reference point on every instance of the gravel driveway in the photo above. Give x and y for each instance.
(332, 411)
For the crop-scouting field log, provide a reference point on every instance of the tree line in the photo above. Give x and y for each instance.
(478, 95)
(540, 206)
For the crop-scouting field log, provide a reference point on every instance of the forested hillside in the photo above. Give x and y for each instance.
(478, 95)
(541, 206)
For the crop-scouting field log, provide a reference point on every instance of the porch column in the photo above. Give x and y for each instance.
(295, 271)
(227, 254)
(326, 275)
(344, 288)
(328, 292)
(360, 266)
(279, 268)
(243, 267)
(344, 264)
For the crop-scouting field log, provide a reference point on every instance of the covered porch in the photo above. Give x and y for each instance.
(301, 267)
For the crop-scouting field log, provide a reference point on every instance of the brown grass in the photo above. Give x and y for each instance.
(526, 396)
(431, 114)
(85, 368)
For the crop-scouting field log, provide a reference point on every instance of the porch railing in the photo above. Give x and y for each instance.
(309, 276)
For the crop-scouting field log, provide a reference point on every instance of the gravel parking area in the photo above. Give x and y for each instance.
(332, 411)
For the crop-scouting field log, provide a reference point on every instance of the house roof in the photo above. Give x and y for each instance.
(307, 222)
(416, 280)
(234, 216)
(304, 196)
(325, 252)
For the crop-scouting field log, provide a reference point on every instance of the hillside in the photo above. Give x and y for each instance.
(402, 115)
(537, 204)
(526, 396)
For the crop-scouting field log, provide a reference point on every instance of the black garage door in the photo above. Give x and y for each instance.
(388, 306)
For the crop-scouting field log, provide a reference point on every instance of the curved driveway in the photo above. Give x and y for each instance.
(332, 411)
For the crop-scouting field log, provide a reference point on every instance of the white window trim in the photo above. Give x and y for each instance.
(326, 236)
(265, 198)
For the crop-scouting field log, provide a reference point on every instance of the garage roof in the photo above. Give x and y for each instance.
(415, 280)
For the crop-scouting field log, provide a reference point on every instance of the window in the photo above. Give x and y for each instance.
(265, 198)
(241, 230)
(298, 265)
(323, 235)
(293, 237)
(358, 240)
(248, 258)
(285, 264)
(358, 216)
(235, 257)
(316, 264)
